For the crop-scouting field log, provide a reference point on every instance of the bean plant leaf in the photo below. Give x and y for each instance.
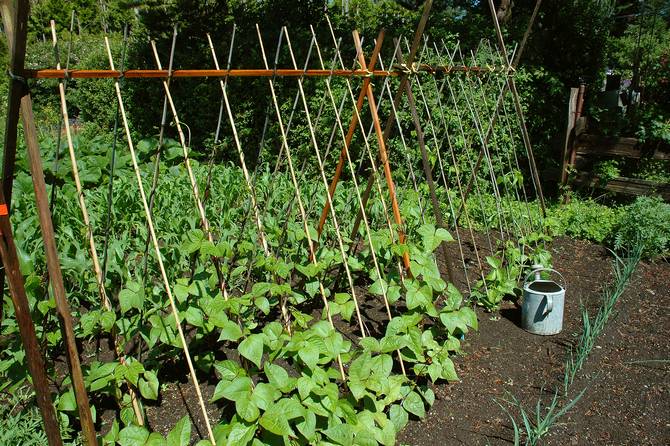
(180, 434)
(155, 439)
(149, 385)
(133, 436)
(233, 390)
(246, 409)
(131, 297)
(230, 331)
(275, 421)
(414, 404)
(278, 377)
(341, 434)
(241, 434)
(398, 416)
(252, 348)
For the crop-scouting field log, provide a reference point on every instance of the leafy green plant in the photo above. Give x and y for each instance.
(507, 269)
(21, 421)
(645, 222)
(585, 219)
(606, 170)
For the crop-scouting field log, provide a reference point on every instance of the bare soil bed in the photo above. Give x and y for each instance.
(627, 399)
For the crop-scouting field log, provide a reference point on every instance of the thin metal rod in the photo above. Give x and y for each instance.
(437, 211)
(77, 181)
(54, 186)
(519, 109)
(427, 170)
(112, 165)
(159, 149)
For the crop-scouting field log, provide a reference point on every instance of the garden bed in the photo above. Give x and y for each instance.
(626, 376)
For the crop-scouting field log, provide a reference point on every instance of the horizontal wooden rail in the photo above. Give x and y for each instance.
(587, 144)
(627, 186)
(283, 72)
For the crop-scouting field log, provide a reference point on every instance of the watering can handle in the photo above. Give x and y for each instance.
(525, 281)
(550, 304)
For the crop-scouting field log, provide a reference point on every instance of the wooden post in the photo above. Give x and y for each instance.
(36, 366)
(53, 266)
(34, 358)
(572, 107)
(18, 36)
(383, 155)
(388, 128)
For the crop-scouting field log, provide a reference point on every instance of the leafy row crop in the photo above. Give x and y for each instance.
(274, 387)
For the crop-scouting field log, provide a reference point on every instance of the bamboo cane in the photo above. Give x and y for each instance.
(104, 299)
(328, 197)
(247, 179)
(296, 186)
(159, 257)
(194, 183)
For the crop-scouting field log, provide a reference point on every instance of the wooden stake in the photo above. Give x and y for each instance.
(383, 156)
(12, 15)
(352, 171)
(350, 131)
(34, 359)
(53, 266)
(388, 128)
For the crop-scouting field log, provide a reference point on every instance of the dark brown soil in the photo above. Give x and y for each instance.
(626, 400)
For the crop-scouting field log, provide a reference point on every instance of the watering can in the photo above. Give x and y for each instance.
(543, 302)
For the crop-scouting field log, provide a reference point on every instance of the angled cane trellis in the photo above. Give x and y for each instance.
(440, 167)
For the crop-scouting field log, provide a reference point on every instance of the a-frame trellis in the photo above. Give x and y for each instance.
(436, 138)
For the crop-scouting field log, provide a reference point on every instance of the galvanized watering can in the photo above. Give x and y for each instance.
(543, 302)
